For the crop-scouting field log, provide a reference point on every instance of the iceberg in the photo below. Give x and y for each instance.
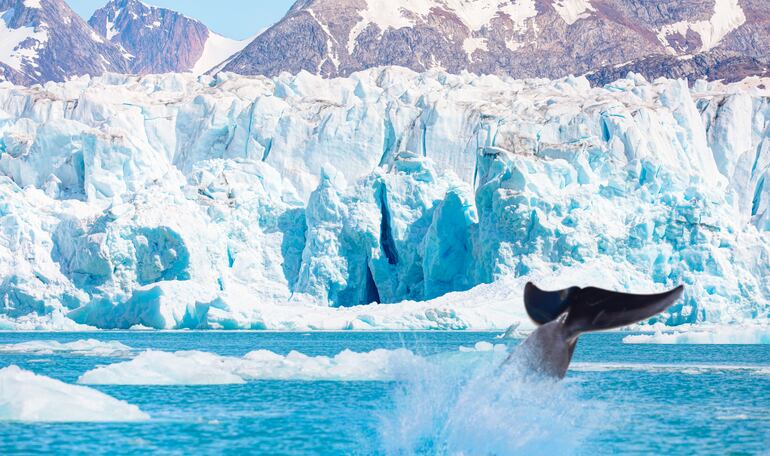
(25, 396)
(385, 200)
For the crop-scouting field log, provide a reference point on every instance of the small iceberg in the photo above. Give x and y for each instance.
(26, 396)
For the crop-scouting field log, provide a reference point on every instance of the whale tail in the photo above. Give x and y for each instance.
(594, 309)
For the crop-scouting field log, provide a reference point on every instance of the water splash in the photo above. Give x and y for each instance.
(474, 407)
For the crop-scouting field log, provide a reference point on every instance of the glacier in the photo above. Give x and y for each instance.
(386, 200)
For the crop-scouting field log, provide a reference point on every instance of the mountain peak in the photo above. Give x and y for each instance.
(160, 40)
(44, 40)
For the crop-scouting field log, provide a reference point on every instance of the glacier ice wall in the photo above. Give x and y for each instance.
(248, 202)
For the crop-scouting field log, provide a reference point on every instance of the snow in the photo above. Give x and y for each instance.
(11, 38)
(32, 4)
(27, 397)
(293, 203)
(573, 10)
(728, 16)
(202, 368)
(474, 14)
(89, 347)
(720, 335)
(216, 50)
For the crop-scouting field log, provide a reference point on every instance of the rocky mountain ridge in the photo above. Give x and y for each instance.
(44, 40)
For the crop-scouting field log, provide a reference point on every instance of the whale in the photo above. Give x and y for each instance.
(562, 316)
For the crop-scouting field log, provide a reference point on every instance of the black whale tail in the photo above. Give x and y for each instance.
(594, 309)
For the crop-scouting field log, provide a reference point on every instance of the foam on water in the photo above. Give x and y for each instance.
(88, 347)
(25, 396)
(485, 409)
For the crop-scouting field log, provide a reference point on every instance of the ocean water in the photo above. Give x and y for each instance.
(617, 399)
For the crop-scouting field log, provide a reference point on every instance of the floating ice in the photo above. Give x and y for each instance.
(719, 335)
(25, 396)
(201, 368)
(485, 347)
(89, 347)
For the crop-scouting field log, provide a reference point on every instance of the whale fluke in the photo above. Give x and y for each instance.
(595, 309)
(564, 315)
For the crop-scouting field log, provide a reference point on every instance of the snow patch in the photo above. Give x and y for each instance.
(216, 50)
(27, 397)
(11, 38)
(474, 14)
(728, 16)
(33, 4)
(573, 10)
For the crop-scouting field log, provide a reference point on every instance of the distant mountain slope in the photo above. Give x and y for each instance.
(44, 40)
(160, 40)
(522, 38)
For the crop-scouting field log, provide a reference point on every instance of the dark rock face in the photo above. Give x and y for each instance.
(57, 44)
(158, 40)
(521, 38)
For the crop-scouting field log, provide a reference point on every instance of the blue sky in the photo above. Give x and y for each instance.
(232, 18)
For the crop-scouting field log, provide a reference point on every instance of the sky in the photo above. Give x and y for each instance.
(232, 18)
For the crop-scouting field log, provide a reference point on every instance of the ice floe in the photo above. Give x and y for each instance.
(202, 368)
(715, 335)
(25, 396)
(88, 347)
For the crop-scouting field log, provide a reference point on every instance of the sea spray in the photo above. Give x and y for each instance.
(478, 407)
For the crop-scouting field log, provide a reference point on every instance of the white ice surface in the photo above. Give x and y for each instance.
(25, 396)
(706, 335)
(202, 368)
(88, 347)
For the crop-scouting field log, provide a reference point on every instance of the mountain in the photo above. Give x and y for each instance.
(160, 40)
(520, 38)
(44, 40)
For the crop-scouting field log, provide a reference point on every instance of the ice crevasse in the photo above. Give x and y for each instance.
(297, 202)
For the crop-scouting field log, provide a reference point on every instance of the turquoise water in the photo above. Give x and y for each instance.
(619, 399)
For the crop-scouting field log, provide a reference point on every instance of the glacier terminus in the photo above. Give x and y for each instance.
(388, 199)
